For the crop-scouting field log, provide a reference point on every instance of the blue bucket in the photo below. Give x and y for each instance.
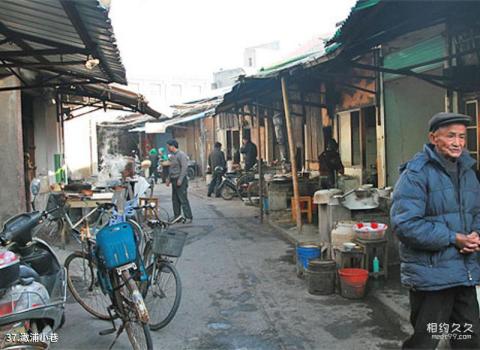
(307, 252)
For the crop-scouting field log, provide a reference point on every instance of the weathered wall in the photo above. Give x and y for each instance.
(12, 191)
(47, 137)
(409, 104)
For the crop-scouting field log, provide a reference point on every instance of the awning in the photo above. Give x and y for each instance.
(251, 88)
(63, 41)
(80, 100)
(158, 128)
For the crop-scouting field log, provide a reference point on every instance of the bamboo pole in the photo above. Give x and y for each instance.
(292, 148)
(260, 173)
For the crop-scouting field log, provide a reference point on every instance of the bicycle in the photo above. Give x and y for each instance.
(163, 290)
(53, 227)
(83, 282)
(112, 265)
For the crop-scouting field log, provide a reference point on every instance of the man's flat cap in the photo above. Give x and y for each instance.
(445, 118)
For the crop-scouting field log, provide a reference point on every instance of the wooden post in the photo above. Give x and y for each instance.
(260, 173)
(292, 148)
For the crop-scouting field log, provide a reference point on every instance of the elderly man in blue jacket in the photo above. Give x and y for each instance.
(436, 216)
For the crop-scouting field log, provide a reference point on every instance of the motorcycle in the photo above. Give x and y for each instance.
(229, 186)
(191, 169)
(32, 285)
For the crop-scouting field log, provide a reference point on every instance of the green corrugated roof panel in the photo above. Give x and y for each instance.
(264, 72)
(360, 5)
(422, 52)
(332, 48)
(364, 4)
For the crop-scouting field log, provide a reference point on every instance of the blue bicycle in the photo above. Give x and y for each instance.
(104, 277)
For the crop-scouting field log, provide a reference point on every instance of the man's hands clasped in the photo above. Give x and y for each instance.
(468, 244)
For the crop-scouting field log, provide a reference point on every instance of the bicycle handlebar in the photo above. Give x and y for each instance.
(106, 206)
(146, 206)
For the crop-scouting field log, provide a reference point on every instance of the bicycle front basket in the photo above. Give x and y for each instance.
(169, 243)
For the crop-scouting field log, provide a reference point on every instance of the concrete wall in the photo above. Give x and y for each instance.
(81, 154)
(409, 104)
(12, 190)
(48, 137)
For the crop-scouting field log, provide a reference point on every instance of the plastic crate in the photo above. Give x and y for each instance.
(169, 243)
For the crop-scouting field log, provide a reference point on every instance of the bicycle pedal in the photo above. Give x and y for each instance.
(107, 331)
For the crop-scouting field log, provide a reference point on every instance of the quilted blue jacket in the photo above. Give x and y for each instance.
(426, 214)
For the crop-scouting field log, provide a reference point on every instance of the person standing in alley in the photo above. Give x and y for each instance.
(216, 158)
(330, 163)
(436, 216)
(177, 177)
(164, 162)
(153, 156)
(249, 150)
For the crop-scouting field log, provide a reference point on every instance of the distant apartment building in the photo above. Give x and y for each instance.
(164, 91)
(256, 57)
(226, 77)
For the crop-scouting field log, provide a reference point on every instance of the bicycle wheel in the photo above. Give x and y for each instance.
(190, 173)
(138, 332)
(162, 294)
(50, 230)
(227, 192)
(243, 182)
(82, 280)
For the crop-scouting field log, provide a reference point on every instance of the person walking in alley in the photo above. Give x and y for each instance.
(216, 158)
(178, 178)
(436, 216)
(249, 150)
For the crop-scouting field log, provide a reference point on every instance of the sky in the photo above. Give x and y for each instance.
(197, 37)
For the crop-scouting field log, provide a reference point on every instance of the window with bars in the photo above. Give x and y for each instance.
(471, 109)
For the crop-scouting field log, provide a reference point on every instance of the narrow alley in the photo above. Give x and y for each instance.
(240, 291)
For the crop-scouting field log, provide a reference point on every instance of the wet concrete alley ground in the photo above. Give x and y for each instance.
(240, 291)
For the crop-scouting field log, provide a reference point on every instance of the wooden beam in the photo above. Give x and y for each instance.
(27, 65)
(293, 162)
(429, 78)
(259, 162)
(42, 52)
(37, 86)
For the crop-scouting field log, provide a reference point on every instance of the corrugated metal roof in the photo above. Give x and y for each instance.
(155, 128)
(76, 28)
(287, 64)
(114, 95)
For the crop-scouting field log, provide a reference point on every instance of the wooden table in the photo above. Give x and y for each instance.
(87, 204)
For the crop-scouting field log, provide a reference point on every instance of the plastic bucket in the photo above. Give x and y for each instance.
(305, 253)
(321, 276)
(353, 282)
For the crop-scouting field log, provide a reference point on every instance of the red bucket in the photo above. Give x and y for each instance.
(353, 282)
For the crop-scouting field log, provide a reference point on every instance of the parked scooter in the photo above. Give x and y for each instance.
(32, 284)
(228, 187)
